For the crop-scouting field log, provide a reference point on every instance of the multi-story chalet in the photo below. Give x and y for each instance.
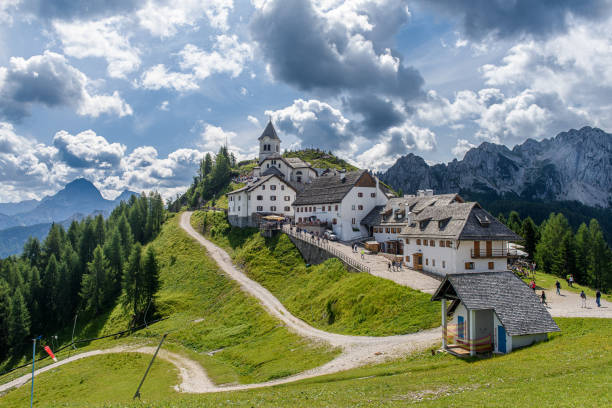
(268, 195)
(292, 169)
(459, 237)
(339, 201)
(385, 223)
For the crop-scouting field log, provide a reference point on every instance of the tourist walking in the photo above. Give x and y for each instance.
(532, 285)
(598, 298)
(558, 286)
(583, 299)
(543, 297)
(571, 281)
(362, 254)
(389, 266)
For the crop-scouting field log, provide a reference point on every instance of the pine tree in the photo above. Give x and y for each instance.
(114, 254)
(208, 164)
(582, 246)
(529, 233)
(99, 230)
(548, 256)
(514, 222)
(50, 283)
(18, 322)
(95, 287)
(599, 257)
(150, 275)
(132, 282)
(32, 251)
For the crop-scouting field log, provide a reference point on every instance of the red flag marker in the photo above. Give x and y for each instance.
(50, 353)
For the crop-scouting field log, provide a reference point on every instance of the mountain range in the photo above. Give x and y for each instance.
(76, 200)
(572, 166)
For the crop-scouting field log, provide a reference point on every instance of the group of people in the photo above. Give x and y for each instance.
(356, 250)
(395, 266)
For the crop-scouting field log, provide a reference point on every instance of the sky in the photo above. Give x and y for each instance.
(131, 94)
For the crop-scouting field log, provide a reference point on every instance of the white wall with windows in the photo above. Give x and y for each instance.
(272, 196)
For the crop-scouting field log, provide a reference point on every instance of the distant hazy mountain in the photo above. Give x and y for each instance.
(16, 208)
(573, 166)
(76, 200)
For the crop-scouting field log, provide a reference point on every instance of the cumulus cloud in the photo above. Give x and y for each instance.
(254, 121)
(104, 38)
(340, 47)
(79, 9)
(461, 148)
(158, 77)
(163, 18)
(29, 169)
(6, 8)
(86, 149)
(481, 18)
(315, 123)
(48, 79)
(397, 141)
(228, 56)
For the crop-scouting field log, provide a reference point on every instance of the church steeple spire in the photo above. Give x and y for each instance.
(269, 142)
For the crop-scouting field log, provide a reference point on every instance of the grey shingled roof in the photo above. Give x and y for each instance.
(273, 170)
(269, 131)
(260, 181)
(382, 215)
(293, 162)
(518, 308)
(458, 221)
(328, 189)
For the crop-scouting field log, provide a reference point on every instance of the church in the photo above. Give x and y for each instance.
(277, 181)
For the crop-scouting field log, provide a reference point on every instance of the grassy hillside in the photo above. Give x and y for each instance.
(572, 369)
(320, 159)
(98, 380)
(210, 320)
(327, 296)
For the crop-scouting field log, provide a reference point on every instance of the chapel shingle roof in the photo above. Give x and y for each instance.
(518, 308)
(252, 186)
(269, 131)
(328, 189)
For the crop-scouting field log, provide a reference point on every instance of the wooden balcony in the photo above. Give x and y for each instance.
(491, 253)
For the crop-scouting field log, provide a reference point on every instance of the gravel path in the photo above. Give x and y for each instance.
(569, 305)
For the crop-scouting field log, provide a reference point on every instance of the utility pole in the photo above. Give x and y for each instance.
(33, 364)
(137, 394)
(73, 327)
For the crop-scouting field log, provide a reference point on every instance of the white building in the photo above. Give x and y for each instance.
(270, 194)
(442, 234)
(490, 312)
(385, 223)
(339, 201)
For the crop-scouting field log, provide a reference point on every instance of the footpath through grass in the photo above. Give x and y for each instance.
(326, 296)
(547, 281)
(572, 369)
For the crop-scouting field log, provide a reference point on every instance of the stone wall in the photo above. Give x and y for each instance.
(313, 254)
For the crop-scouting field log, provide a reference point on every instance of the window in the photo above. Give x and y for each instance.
(449, 244)
(239, 197)
(418, 242)
(272, 198)
(309, 209)
(432, 243)
(353, 207)
(273, 208)
(268, 166)
(334, 221)
(336, 209)
(433, 262)
(443, 264)
(282, 187)
(469, 265)
(272, 187)
(359, 194)
(287, 198)
(407, 241)
(259, 198)
(360, 207)
(263, 187)
(408, 259)
(387, 230)
(442, 244)
(238, 208)
(426, 261)
(425, 242)
(329, 208)
(260, 208)
(491, 265)
(231, 198)
(353, 221)
(373, 195)
(287, 209)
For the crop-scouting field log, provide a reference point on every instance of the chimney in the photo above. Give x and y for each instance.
(420, 193)
(429, 192)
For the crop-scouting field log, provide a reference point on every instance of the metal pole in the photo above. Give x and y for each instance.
(33, 364)
(137, 394)
(72, 340)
